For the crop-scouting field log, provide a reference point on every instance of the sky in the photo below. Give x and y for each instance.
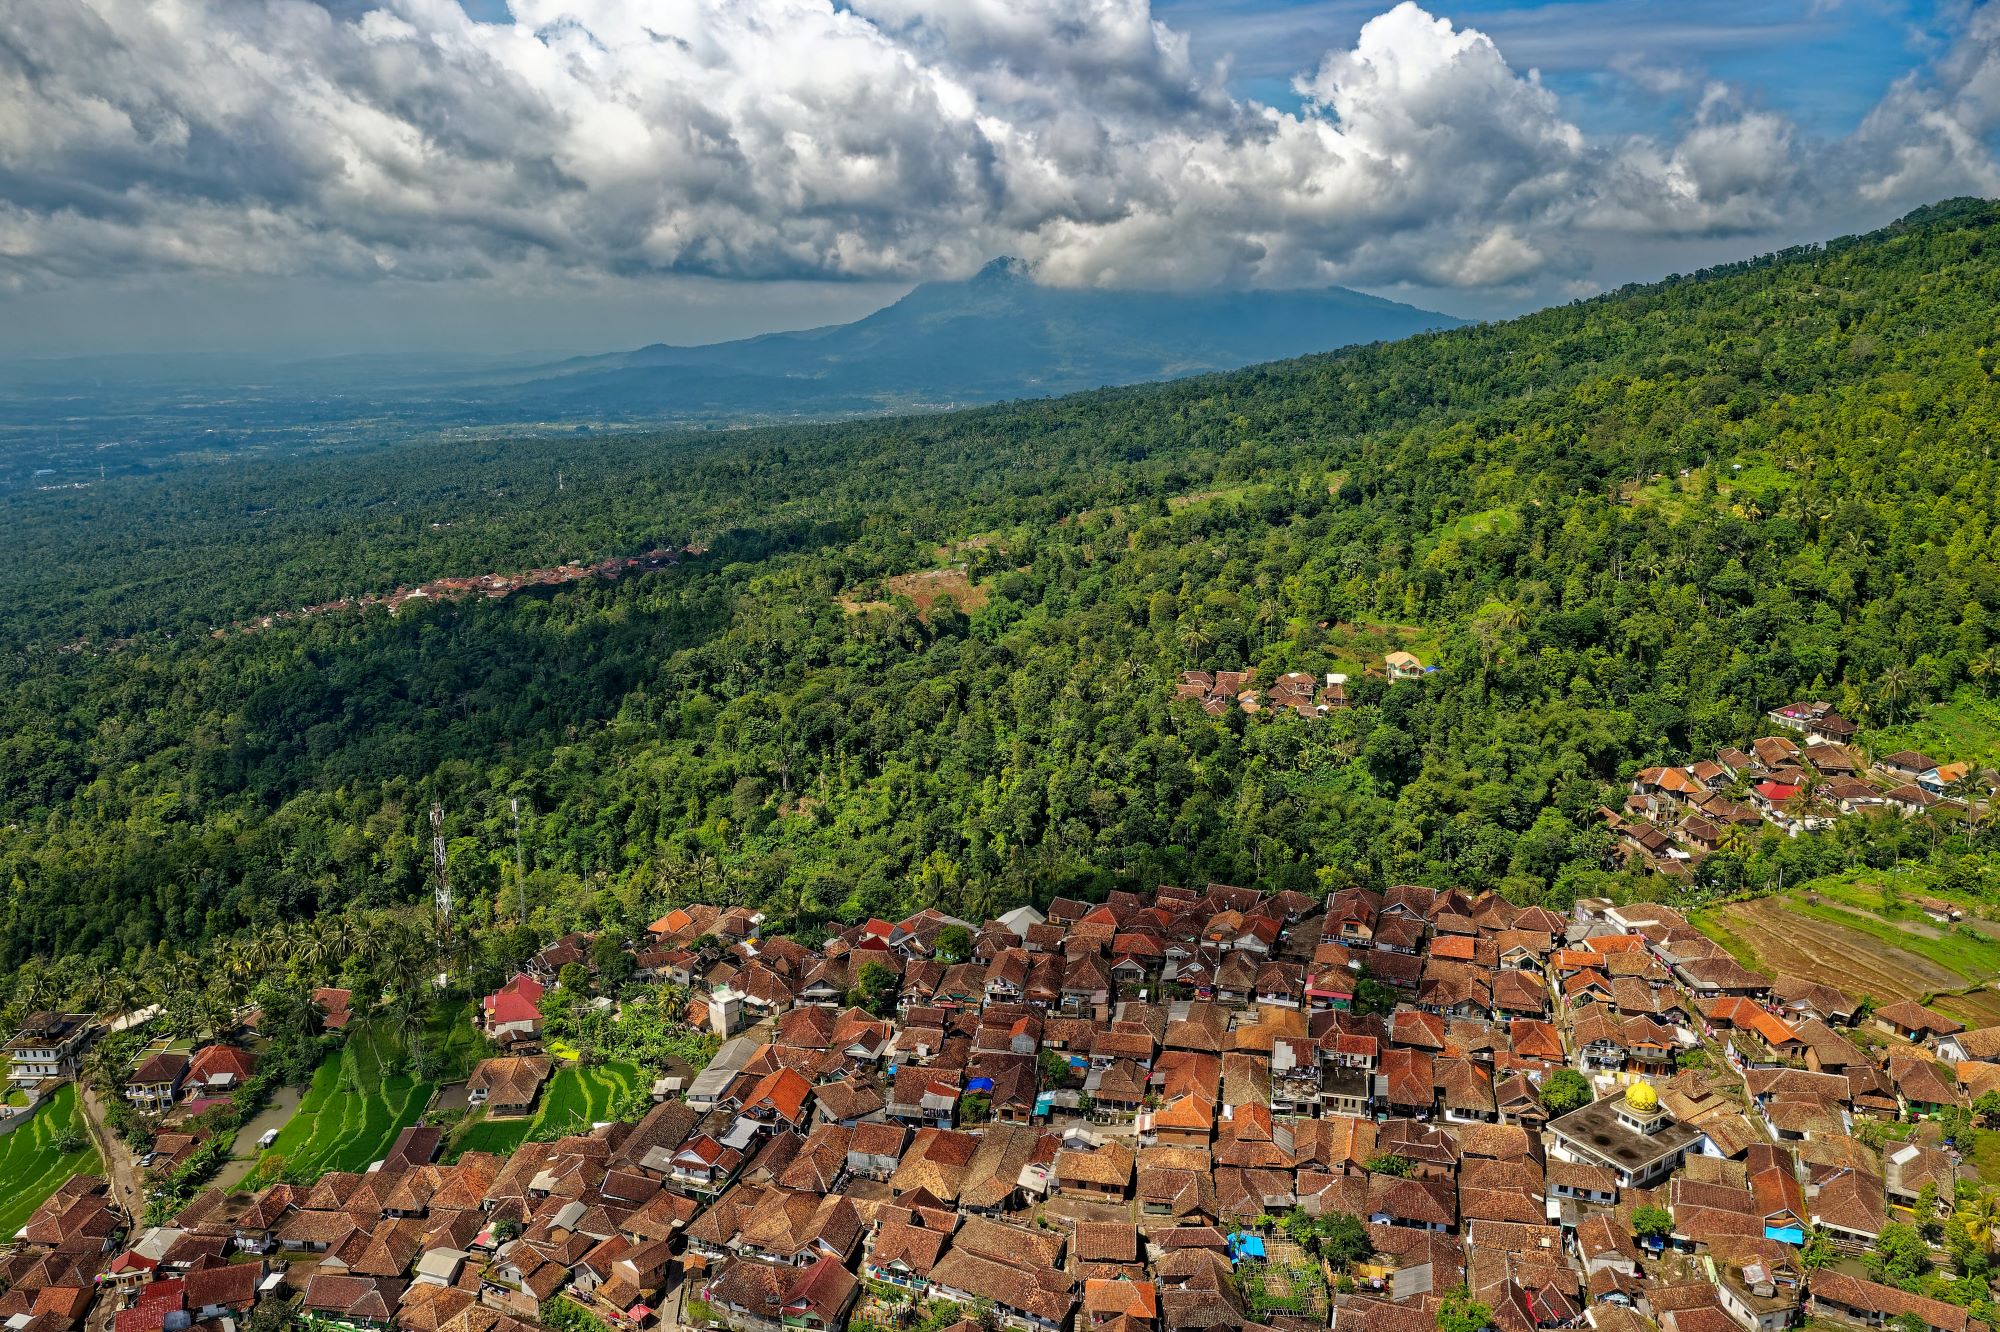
(522, 177)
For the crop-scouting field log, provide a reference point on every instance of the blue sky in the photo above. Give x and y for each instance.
(522, 175)
(1823, 63)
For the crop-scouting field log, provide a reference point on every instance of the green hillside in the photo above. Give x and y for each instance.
(1621, 528)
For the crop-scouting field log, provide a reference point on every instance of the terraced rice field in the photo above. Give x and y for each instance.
(353, 1113)
(30, 1166)
(1787, 942)
(575, 1098)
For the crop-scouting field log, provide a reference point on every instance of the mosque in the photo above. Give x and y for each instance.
(1631, 1135)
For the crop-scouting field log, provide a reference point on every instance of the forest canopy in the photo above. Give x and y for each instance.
(1622, 529)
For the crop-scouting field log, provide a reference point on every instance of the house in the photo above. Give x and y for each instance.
(156, 1083)
(508, 1085)
(357, 1300)
(512, 1014)
(1913, 1022)
(218, 1070)
(1941, 780)
(1904, 765)
(222, 1292)
(754, 1296)
(1103, 1173)
(48, 1045)
(1402, 666)
(1017, 1271)
(335, 1007)
(1850, 1299)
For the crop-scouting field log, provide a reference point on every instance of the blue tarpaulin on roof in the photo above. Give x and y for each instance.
(979, 1084)
(1243, 1246)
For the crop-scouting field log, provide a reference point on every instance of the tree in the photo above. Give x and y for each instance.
(975, 1108)
(1978, 1212)
(614, 965)
(1054, 1065)
(1900, 1255)
(1652, 1222)
(1459, 1312)
(1388, 1163)
(1987, 1108)
(1818, 1250)
(1926, 1210)
(1372, 996)
(875, 989)
(1342, 1239)
(954, 944)
(1565, 1090)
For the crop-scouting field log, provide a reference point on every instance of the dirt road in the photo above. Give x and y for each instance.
(128, 1187)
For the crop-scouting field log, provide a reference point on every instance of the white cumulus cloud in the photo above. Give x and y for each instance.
(876, 139)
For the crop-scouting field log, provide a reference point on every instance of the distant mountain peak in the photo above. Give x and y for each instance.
(1006, 269)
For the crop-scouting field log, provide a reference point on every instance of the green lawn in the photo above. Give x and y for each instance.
(362, 1098)
(575, 1098)
(30, 1166)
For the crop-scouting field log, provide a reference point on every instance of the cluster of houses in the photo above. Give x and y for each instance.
(1220, 692)
(1091, 1120)
(1674, 816)
(494, 586)
(1296, 692)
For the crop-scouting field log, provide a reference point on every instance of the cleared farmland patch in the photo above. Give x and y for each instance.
(1787, 943)
(1980, 1008)
(924, 590)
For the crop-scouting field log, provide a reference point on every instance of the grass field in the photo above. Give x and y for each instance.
(361, 1099)
(575, 1098)
(30, 1166)
(1963, 729)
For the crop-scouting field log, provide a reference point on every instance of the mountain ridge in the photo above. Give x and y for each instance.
(995, 335)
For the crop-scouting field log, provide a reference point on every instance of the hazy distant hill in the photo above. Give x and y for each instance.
(996, 335)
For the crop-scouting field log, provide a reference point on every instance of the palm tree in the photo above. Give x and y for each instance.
(1979, 1212)
(1194, 640)
(1893, 686)
(1985, 668)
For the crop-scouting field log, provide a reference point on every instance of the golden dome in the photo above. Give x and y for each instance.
(1641, 1097)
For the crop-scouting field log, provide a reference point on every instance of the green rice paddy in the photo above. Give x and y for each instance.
(574, 1098)
(362, 1098)
(31, 1168)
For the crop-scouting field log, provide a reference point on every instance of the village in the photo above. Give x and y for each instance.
(494, 586)
(1674, 816)
(1190, 1109)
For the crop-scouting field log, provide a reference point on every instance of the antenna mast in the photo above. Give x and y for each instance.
(443, 886)
(520, 878)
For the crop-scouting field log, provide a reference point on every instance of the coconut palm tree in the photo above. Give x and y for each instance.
(1985, 669)
(1978, 1210)
(1893, 686)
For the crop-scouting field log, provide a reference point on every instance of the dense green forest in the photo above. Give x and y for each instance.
(1624, 528)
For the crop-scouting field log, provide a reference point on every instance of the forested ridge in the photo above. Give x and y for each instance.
(725, 728)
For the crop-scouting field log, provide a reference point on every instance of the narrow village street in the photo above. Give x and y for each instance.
(127, 1180)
